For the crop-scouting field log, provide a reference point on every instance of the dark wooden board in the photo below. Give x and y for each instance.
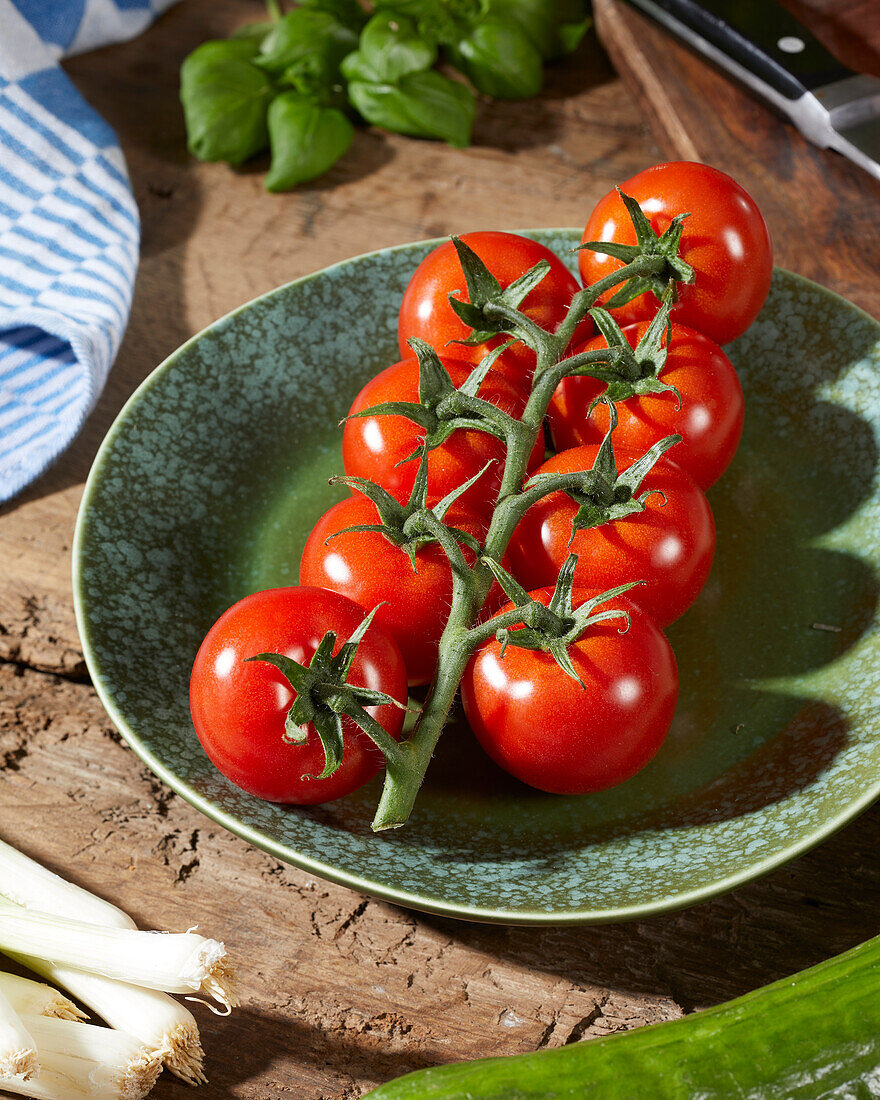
(821, 209)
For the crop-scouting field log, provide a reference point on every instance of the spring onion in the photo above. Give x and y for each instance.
(30, 998)
(182, 962)
(18, 1050)
(167, 1027)
(107, 1057)
(164, 1025)
(28, 883)
(68, 1077)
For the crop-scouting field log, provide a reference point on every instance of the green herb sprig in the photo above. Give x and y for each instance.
(299, 82)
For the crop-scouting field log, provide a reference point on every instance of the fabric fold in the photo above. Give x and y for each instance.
(69, 229)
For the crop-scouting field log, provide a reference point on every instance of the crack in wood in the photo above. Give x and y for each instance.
(583, 1025)
(355, 915)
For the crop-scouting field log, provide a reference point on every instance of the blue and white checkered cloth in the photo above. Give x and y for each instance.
(69, 229)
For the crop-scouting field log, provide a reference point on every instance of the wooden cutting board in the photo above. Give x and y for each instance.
(823, 211)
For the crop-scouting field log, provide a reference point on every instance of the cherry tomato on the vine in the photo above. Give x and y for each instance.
(425, 311)
(238, 706)
(670, 545)
(374, 447)
(369, 569)
(725, 240)
(543, 727)
(710, 420)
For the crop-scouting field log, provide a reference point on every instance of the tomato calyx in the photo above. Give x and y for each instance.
(411, 525)
(443, 407)
(556, 626)
(630, 371)
(664, 248)
(323, 696)
(602, 493)
(484, 291)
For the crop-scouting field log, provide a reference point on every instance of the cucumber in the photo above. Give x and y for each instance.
(813, 1035)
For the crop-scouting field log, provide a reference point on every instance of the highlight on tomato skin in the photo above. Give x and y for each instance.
(376, 447)
(549, 731)
(669, 546)
(239, 706)
(710, 419)
(425, 310)
(725, 239)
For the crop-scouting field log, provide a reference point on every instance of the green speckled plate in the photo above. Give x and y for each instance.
(213, 474)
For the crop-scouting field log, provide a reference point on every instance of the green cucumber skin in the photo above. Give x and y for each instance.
(815, 1035)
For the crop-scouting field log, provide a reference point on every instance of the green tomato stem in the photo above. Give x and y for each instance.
(391, 749)
(585, 299)
(482, 632)
(527, 330)
(404, 776)
(462, 586)
(545, 386)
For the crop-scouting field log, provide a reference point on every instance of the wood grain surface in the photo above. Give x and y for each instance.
(341, 991)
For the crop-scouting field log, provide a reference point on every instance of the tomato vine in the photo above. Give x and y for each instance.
(493, 311)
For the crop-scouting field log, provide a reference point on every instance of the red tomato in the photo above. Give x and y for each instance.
(373, 446)
(725, 240)
(425, 310)
(710, 420)
(369, 569)
(670, 546)
(545, 729)
(238, 707)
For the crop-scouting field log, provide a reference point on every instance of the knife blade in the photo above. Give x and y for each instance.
(772, 53)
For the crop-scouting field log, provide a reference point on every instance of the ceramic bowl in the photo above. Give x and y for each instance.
(212, 476)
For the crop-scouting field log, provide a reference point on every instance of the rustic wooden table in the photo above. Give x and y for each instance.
(340, 991)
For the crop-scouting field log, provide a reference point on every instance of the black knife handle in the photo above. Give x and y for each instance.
(759, 36)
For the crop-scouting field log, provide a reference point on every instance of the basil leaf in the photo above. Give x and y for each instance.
(390, 47)
(306, 39)
(316, 79)
(555, 27)
(568, 37)
(354, 67)
(420, 104)
(348, 12)
(442, 22)
(222, 49)
(306, 140)
(499, 60)
(225, 100)
(255, 32)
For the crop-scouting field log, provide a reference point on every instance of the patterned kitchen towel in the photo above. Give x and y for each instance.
(69, 229)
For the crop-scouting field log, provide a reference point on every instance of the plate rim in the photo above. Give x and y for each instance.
(425, 903)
